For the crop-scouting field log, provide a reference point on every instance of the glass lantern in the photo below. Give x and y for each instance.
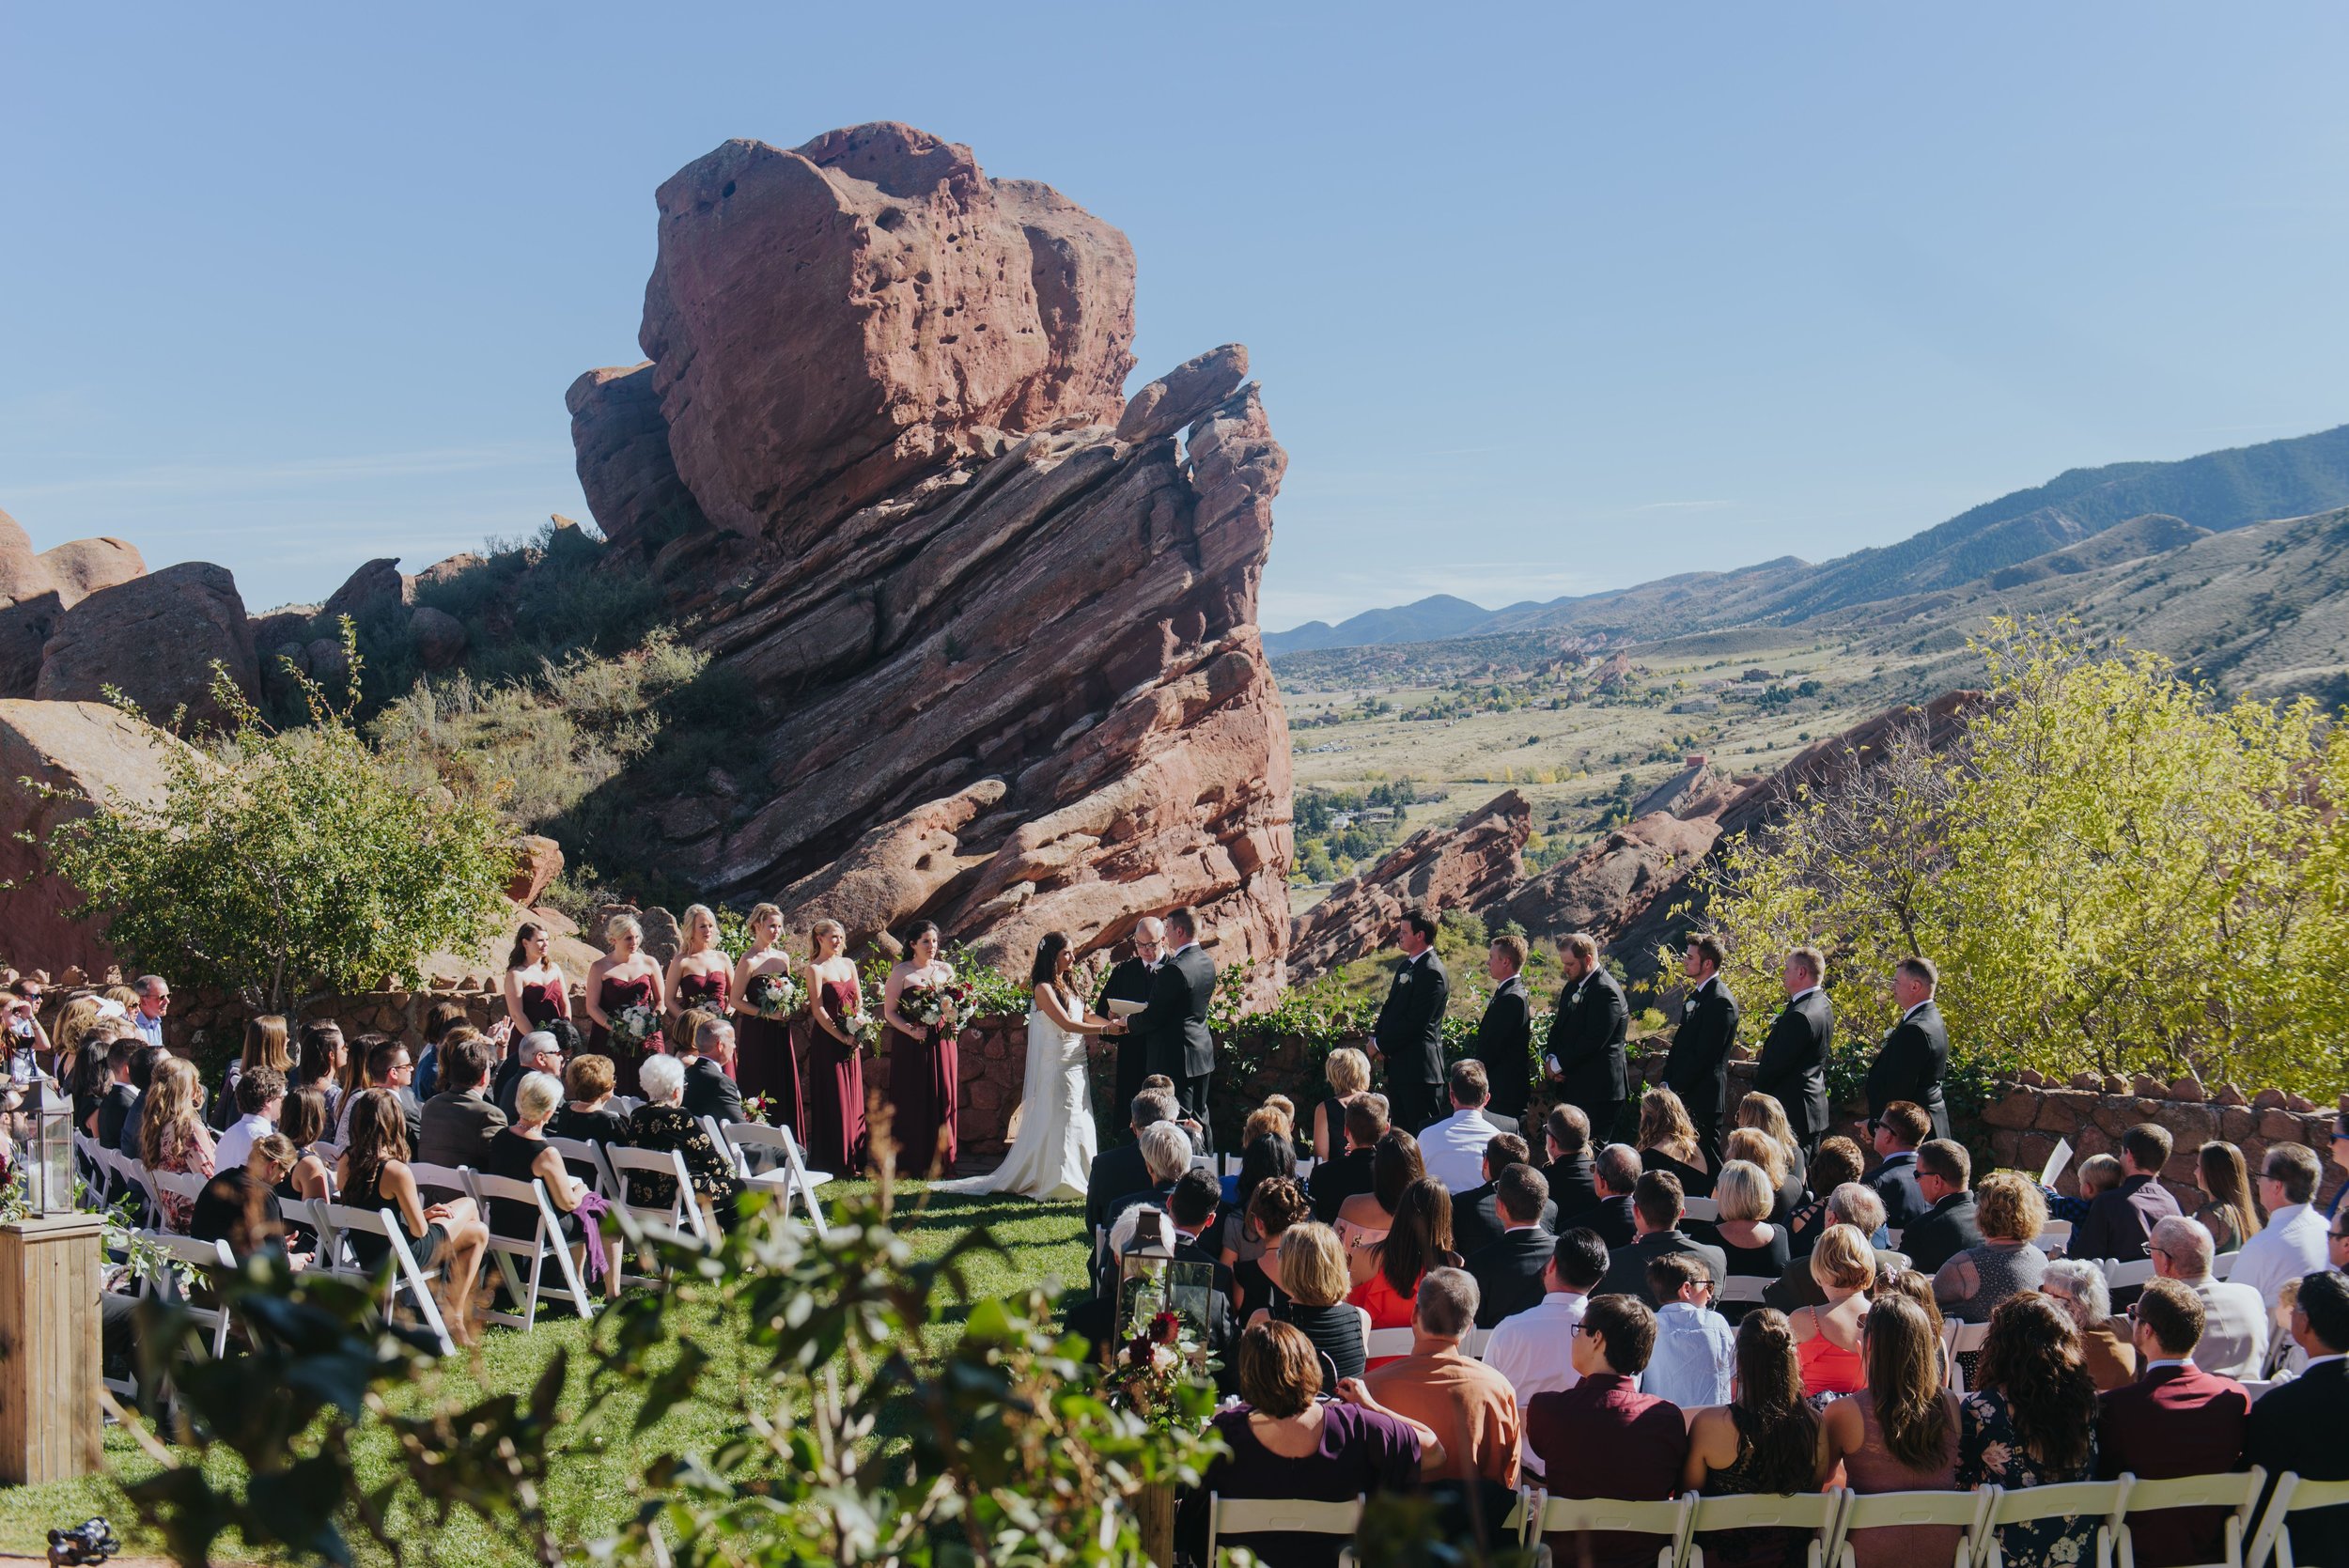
(46, 1121)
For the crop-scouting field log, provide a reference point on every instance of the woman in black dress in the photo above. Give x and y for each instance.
(373, 1174)
(1668, 1141)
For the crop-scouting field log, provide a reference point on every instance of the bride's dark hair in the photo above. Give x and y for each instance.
(1046, 969)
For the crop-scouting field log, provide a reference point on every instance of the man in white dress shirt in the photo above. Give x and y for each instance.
(147, 1017)
(2293, 1242)
(2235, 1319)
(1453, 1150)
(1534, 1350)
(260, 1094)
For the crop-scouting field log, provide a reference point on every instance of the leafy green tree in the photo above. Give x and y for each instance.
(287, 864)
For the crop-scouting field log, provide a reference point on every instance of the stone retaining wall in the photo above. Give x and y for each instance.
(2023, 1127)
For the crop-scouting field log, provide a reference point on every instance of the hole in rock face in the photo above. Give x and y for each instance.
(891, 218)
(727, 192)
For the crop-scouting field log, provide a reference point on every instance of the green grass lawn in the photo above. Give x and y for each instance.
(590, 1491)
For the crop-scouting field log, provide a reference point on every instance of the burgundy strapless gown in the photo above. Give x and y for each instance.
(543, 1003)
(612, 996)
(834, 1133)
(704, 991)
(925, 1083)
(766, 1064)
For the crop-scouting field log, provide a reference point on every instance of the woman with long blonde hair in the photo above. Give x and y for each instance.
(625, 976)
(1668, 1141)
(702, 973)
(171, 1134)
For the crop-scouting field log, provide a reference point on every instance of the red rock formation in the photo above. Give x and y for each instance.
(156, 638)
(1610, 886)
(1005, 659)
(1470, 866)
(36, 590)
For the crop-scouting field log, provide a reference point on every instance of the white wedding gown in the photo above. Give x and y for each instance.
(1053, 1156)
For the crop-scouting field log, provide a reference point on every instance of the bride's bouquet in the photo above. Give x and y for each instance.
(932, 1005)
(773, 995)
(634, 1024)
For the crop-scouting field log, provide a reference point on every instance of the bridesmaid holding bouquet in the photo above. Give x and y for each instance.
(836, 1132)
(624, 985)
(535, 992)
(702, 972)
(925, 1066)
(766, 994)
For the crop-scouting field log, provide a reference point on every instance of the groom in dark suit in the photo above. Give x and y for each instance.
(1174, 1026)
(1504, 1035)
(1409, 1035)
(1792, 1065)
(1909, 1065)
(1131, 982)
(1698, 1068)
(1586, 1037)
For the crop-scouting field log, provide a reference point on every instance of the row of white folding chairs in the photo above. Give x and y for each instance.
(769, 1157)
(1834, 1517)
(547, 1242)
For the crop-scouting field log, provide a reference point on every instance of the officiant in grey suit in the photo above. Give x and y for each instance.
(1174, 1026)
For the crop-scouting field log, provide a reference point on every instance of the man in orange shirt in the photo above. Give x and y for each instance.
(1470, 1408)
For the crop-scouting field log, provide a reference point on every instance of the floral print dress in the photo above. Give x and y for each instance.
(1989, 1453)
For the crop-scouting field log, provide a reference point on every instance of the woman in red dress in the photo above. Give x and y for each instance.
(625, 976)
(835, 1061)
(925, 1066)
(535, 992)
(763, 1061)
(702, 972)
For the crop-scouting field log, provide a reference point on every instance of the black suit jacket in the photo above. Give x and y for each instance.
(1612, 1219)
(1128, 981)
(1504, 1044)
(1174, 1025)
(1793, 1066)
(1697, 1068)
(1508, 1273)
(1476, 1221)
(1909, 1065)
(1410, 1031)
(1586, 1036)
(1627, 1268)
(1895, 1182)
(1945, 1230)
(2121, 1222)
(1116, 1173)
(709, 1093)
(1333, 1181)
(1573, 1187)
(2297, 1426)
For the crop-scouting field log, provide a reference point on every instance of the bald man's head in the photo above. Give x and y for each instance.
(1149, 937)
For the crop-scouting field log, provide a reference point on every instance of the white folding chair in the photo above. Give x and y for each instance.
(338, 1222)
(328, 1152)
(204, 1257)
(1961, 1339)
(578, 1153)
(173, 1184)
(2273, 1542)
(2101, 1501)
(1305, 1167)
(1544, 1514)
(546, 1241)
(2223, 1264)
(130, 1182)
(2255, 1386)
(2122, 1276)
(2238, 1490)
(1706, 1209)
(1739, 1289)
(1815, 1511)
(755, 1142)
(1378, 1343)
(1263, 1515)
(1877, 1510)
(681, 1214)
(2053, 1234)
(438, 1183)
(1472, 1346)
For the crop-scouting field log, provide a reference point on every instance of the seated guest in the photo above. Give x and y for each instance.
(1191, 1129)
(1766, 1440)
(588, 1113)
(2119, 1222)
(521, 1152)
(1388, 1276)
(2099, 1174)
(239, 1205)
(1275, 1207)
(2298, 1425)
(1267, 1153)
(663, 1125)
(1603, 1438)
(1753, 1246)
(2233, 1340)
(1765, 1115)
(1655, 1218)
(1285, 1441)
(1469, 1406)
(545, 1050)
(1898, 1132)
(1352, 1173)
(1854, 1205)
(1908, 1283)
(1759, 1149)
(460, 1121)
(324, 1054)
(1836, 1163)
(1311, 1298)
(1348, 1071)
(1567, 1168)
(1898, 1434)
(1165, 1155)
(1828, 1336)
(1476, 1222)
(2175, 1421)
(1668, 1142)
(303, 1122)
(1615, 1176)
(1453, 1148)
(1364, 1219)
(2292, 1245)
(2011, 1212)
(115, 1100)
(2031, 1423)
(143, 1064)
(2077, 1288)
(1508, 1271)
(1692, 1363)
(260, 1094)
(1197, 1199)
(173, 1137)
(372, 1174)
(708, 1060)
(441, 1020)
(1947, 1226)
(2229, 1212)
(1533, 1350)
(1118, 1172)
(383, 1063)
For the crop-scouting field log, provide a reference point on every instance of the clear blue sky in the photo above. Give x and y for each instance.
(1543, 301)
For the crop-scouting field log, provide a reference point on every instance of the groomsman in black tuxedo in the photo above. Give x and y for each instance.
(1586, 1037)
(1916, 1053)
(1698, 1067)
(1131, 982)
(1408, 1034)
(1793, 1066)
(1504, 1035)
(1174, 1026)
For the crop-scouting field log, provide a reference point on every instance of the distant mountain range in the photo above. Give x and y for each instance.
(2083, 522)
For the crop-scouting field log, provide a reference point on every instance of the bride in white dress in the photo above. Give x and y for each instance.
(1053, 1156)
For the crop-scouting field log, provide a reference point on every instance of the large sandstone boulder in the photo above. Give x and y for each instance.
(36, 589)
(375, 584)
(90, 752)
(1006, 665)
(1470, 867)
(1607, 888)
(156, 638)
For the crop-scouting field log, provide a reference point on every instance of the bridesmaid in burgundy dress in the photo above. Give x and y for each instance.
(625, 976)
(535, 992)
(835, 1061)
(702, 972)
(925, 1066)
(763, 1060)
